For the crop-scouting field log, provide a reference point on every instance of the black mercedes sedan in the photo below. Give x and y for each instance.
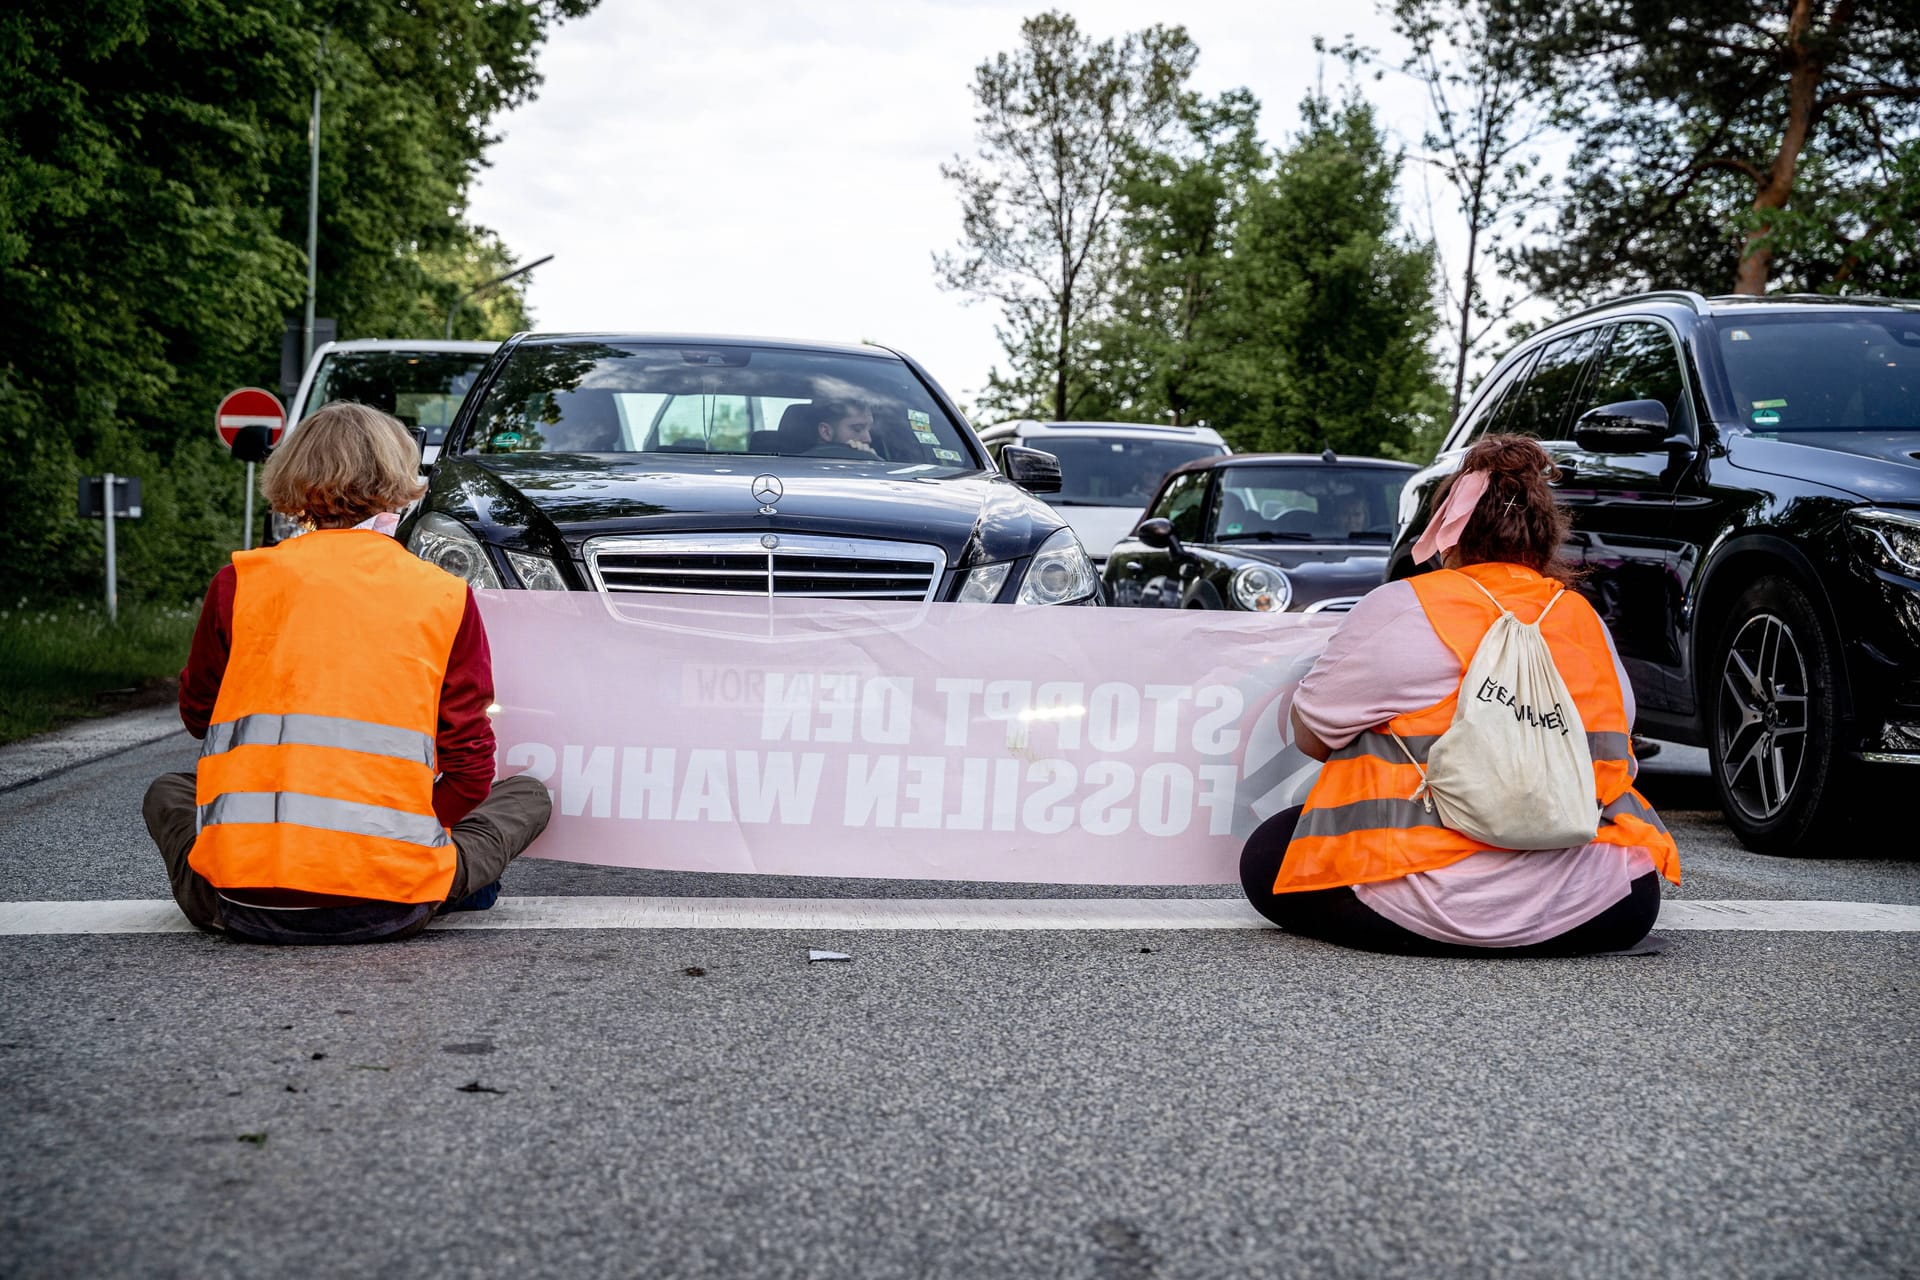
(1264, 532)
(732, 466)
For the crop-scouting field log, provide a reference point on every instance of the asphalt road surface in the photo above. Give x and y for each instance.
(1105, 1103)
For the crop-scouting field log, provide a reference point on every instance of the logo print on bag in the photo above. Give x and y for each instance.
(1492, 691)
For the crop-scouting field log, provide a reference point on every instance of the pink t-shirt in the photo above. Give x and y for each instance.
(1387, 660)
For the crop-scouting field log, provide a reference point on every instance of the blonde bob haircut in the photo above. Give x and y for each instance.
(343, 464)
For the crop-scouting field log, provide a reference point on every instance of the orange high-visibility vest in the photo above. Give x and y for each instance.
(317, 770)
(1360, 824)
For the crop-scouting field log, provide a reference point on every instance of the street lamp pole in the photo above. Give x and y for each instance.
(313, 210)
(470, 294)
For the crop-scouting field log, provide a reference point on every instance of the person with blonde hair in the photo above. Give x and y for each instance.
(340, 686)
(1368, 863)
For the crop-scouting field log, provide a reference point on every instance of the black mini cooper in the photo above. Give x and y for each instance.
(1744, 479)
(727, 466)
(1262, 532)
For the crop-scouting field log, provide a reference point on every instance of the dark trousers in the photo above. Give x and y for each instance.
(497, 831)
(1338, 915)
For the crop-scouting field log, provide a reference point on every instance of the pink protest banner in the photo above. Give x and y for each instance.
(947, 742)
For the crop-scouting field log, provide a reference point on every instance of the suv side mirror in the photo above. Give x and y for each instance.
(1031, 469)
(1158, 533)
(1626, 426)
(419, 435)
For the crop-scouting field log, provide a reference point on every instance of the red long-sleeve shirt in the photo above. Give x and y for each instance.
(463, 743)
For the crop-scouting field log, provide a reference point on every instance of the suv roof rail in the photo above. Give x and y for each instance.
(1693, 300)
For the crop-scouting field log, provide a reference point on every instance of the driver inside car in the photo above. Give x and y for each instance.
(845, 428)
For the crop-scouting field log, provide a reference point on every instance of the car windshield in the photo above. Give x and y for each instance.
(1310, 502)
(1824, 371)
(1116, 471)
(421, 388)
(602, 398)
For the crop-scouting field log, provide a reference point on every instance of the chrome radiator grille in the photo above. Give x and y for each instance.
(741, 564)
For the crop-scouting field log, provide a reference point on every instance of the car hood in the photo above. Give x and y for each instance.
(1318, 572)
(532, 499)
(1876, 465)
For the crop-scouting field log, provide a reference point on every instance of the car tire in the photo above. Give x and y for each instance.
(1772, 704)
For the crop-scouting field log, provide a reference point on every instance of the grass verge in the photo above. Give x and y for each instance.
(66, 662)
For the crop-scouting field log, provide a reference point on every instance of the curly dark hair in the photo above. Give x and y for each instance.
(1517, 520)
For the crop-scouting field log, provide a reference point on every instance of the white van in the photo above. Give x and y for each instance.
(420, 381)
(1108, 470)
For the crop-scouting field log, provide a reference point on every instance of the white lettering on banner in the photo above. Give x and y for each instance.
(1081, 746)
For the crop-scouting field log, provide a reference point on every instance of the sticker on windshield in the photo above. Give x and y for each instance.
(1739, 335)
(922, 426)
(946, 455)
(504, 440)
(1765, 418)
(1769, 404)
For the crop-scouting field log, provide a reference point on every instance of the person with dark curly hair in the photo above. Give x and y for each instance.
(1365, 864)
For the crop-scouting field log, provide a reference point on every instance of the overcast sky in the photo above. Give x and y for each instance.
(763, 167)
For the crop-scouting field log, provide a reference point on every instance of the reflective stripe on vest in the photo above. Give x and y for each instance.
(268, 729)
(1601, 746)
(325, 813)
(1360, 823)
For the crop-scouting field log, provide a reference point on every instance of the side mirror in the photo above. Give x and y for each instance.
(419, 435)
(1158, 533)
(1031, 469)
(1627, 426)
(252, 444)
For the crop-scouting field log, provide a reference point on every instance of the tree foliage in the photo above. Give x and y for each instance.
(153, 212)
(1729, 145)
(1059, 120)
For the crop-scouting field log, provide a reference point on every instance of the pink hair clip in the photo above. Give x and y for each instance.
(1443, 531)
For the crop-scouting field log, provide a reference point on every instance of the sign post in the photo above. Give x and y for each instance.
(109, 497)
(249, 407)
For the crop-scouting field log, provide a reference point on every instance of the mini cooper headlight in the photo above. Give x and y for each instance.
(1060, 572)
(445, 542)
(1262, 588)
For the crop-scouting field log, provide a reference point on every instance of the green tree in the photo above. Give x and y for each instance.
(153, 190)
(1324, 336)
(1180, 207)
(1059, 120)
(1730, 146)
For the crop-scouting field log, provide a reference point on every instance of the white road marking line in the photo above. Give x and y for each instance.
(866, 914)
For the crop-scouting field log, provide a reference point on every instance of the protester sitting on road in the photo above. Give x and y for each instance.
(331, 678)
(845, 428)
(1362, 864)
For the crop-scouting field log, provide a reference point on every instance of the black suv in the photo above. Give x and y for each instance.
(1744, 479)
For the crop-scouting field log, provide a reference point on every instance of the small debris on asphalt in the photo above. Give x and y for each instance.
(292, 1089)
(815, 957)
(1146, 951)
(694, 971)
(257, 1139)
(318, 1056)
(476, 1087)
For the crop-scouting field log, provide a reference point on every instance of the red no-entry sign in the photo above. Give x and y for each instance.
(249, 407)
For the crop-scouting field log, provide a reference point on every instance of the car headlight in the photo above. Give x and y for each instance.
(1059, 573)
(1889, 540)
(536, 573)
(982, 585)
(445, 542)
(1262, 588)
(284, 528)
